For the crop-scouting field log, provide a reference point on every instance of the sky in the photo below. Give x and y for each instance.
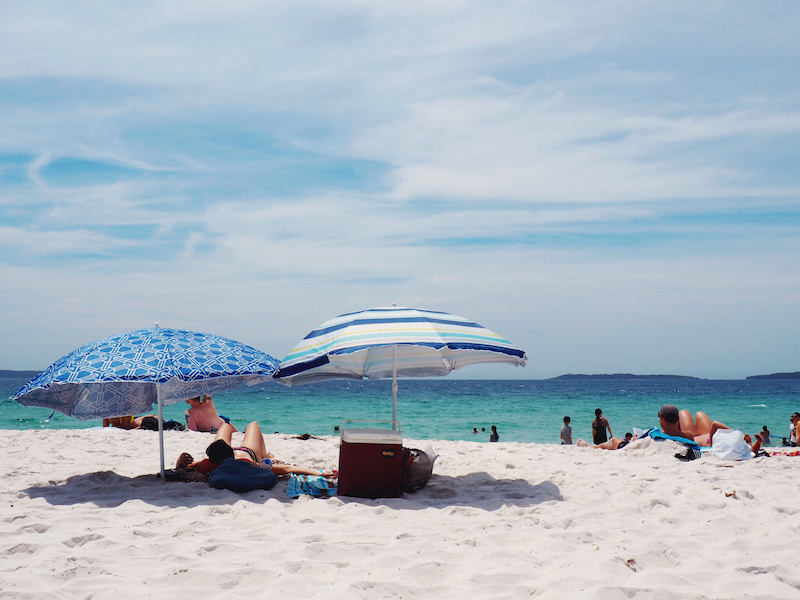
(611, 186)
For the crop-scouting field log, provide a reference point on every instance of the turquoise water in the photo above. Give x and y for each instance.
(523, 411)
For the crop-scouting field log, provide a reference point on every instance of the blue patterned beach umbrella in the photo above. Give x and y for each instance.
(126, 374)
(392, 341)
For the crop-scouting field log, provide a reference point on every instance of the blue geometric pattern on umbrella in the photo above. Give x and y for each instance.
(116, 375)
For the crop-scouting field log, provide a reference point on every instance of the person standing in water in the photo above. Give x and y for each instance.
(599, 427)
(494, 436)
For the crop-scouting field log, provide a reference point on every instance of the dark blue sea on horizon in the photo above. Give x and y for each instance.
(448, 409)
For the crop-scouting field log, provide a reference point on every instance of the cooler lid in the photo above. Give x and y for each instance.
(371, 436)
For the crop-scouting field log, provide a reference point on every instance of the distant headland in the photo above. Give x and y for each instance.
(622, 376)
(18, 374)
(777, 376)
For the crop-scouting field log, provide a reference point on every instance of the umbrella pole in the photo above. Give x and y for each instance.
(394, 387)
(160, 430)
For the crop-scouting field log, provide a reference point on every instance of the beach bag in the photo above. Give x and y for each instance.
(311, 485)
(729, 444)
(417, 468)
(240, 476)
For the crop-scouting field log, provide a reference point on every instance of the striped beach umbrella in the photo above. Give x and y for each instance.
(126, 374)
(392, 341)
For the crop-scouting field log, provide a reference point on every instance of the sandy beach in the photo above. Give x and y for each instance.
(84, 516)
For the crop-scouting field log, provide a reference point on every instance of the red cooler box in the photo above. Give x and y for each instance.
(370, 462)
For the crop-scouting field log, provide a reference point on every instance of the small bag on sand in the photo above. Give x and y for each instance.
(417, 468)
(729, 444)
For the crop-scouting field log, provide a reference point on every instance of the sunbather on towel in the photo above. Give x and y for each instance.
(252, 450)
(126, 422)
(700, 428)
(612, 444)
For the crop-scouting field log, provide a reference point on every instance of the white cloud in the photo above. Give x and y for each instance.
(578, 176)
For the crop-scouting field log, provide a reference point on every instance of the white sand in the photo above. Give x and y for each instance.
(82, 516)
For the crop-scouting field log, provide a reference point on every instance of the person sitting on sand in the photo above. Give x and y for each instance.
(252, 450)
(566, 433)
(126, 422)
(202, 416)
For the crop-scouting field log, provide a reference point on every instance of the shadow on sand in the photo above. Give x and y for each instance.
(107, 489)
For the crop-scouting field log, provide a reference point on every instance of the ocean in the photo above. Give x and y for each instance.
(449, 409)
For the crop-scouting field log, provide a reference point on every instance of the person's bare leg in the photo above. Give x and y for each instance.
(703, 422)
(225, 433)
(687, 422)
(611, 444)
(754, 446)
(254, 440)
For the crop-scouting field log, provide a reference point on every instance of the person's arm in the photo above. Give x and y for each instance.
(281, 469)
(569, 435)
(185, 462)
(715, 427)
(608, 426)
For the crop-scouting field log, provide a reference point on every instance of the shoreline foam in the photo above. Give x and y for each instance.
(85, 516)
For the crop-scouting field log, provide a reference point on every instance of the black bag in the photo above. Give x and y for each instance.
(417, 469)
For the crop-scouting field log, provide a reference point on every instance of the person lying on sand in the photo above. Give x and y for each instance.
(126, 422)
(701, 428)
(252, 450)
(304, 436)
(202, 416)
(612, 444)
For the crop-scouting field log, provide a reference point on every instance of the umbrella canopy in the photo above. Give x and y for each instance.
(126, 374)
(391, 341)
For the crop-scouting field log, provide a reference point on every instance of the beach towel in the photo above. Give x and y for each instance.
(657, 434)
(311, 485)
(240, 476)
(785, 453)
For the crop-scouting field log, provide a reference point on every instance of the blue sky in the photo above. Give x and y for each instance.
(612, 186)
